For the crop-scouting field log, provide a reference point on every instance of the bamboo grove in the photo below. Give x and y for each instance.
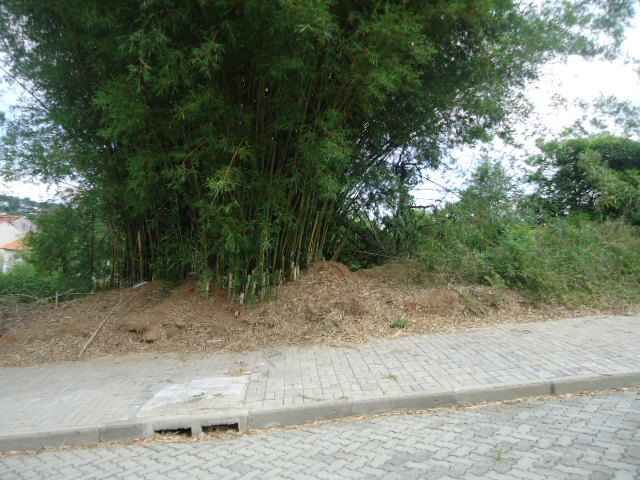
(235, 138)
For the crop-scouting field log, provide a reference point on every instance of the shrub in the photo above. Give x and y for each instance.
(28, 284)
(492, 236)
(23, 279)
(71, 241)
(456, 240)
(570, 260)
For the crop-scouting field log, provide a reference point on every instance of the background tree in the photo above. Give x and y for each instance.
(72, 242)
(490, 237)
(618, 189)
(593, 175)
(230, 137)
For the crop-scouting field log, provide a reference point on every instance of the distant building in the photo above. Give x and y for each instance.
(13, 229)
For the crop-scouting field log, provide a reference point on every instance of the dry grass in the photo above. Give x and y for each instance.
(329, 305)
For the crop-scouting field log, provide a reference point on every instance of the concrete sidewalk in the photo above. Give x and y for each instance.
(128, 397)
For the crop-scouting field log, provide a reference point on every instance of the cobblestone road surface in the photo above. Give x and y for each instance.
(593, 437)
(97, 392)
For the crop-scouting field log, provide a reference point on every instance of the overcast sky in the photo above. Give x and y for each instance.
(573, 80)
(576, 79)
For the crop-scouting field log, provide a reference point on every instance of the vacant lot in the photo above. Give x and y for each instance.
(329, 304)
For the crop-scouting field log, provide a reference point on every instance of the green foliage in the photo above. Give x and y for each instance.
(618, 190)
(72, 243)
(571, 260)
(400, 323)
(28, 284)
(488, 237)
(366, 241)
(605, 114)
(594, 175)
(457, 237)
(623, 113)
(21, 206)
(232, 137)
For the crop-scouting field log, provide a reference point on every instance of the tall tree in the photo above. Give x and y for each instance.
(227, 136)
(592, 175)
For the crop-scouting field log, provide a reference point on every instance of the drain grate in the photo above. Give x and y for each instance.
(213, 429)
(196, 429)
(174, 432)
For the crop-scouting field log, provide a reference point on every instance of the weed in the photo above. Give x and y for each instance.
(400, 323)
(28, 283)
(569, 260)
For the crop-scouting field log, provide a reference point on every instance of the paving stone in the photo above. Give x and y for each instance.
(104, 391)
(391, 447)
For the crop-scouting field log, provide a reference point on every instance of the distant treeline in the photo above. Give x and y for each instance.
(21, 206)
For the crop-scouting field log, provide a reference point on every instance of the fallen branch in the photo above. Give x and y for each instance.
(43, 300)
(22, 295)
(102, 324)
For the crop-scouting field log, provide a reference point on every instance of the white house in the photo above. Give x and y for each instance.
(13, 229)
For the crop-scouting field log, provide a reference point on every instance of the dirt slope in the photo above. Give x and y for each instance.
(329, 304)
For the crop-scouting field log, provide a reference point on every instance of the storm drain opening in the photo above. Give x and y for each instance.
(174, 432)
(220, 429)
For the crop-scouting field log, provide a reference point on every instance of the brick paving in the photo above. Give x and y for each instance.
(592, 437)
(98, 392)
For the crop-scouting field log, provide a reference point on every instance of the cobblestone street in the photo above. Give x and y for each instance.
(594, 437)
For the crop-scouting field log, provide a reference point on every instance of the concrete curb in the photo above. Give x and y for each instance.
(287, 416)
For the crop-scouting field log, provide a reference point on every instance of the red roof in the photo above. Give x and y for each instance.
(5, 218)
(16, 245)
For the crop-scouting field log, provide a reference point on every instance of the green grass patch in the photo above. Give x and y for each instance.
(400, 323)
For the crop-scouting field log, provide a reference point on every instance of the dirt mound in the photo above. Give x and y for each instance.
(328, 271)
(328, 304)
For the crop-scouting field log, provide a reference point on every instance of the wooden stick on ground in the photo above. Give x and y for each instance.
(102, 324)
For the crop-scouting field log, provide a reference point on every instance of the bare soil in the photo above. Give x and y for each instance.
(328, 305)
